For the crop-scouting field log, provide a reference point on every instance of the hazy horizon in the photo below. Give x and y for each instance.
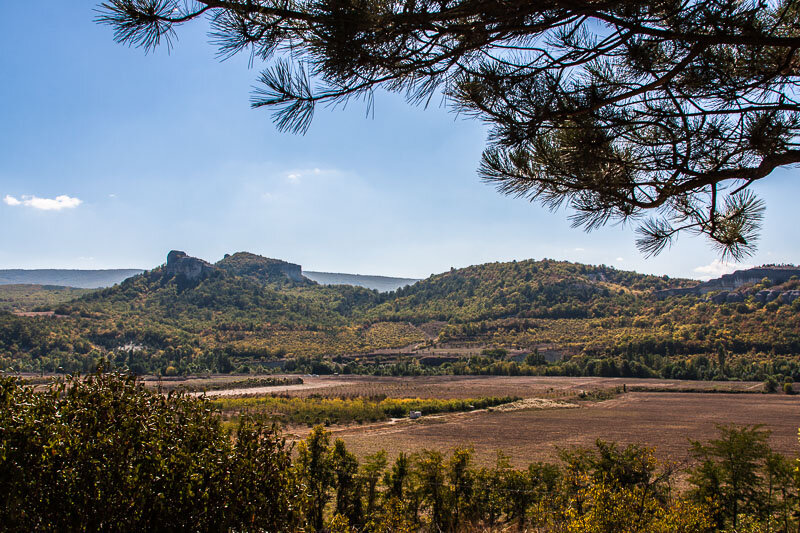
(704, 276)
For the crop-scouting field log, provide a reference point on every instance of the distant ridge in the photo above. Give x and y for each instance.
(81, 279)
(378, 283)
(251, 265)
(98, 279)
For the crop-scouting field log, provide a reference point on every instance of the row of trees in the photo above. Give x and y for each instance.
(103, 453)
(748, 367)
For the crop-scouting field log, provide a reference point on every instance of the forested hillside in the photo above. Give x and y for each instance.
(247, 313)
(546, 289)
(26, 297)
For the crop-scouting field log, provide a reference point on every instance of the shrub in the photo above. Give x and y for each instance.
(770, 384)
(103, 453)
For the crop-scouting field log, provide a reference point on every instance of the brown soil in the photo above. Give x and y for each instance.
(662, 420)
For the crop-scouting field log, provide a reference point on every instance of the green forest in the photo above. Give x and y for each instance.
(517, 318)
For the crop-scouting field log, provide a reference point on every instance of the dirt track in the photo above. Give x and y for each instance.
(309, 383)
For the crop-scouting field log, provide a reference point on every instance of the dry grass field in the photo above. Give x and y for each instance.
(663, 420)
(663, 414)
(650, 415)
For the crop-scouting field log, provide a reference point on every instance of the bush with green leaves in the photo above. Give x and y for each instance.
(745, 478)
(103, 453)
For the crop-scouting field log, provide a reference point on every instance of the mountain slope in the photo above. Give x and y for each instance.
(553, 289)
(239, 287)
(248, 310)
(198, 316)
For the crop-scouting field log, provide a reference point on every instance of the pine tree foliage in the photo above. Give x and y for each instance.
(615, 109)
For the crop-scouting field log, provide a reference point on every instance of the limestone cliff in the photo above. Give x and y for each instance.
(776, 275)
(188, 268)
(730, 282)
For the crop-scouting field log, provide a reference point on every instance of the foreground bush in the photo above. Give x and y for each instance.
(104, 454)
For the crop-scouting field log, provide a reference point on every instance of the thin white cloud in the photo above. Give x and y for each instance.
(45, 204)
(620, 259)
(295, 175)
(717, 268)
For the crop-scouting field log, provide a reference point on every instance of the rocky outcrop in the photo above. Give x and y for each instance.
(188, 268)
(776, 275)
(682, 291)
(729, 282)
(291, 271)
(789, 296)
(766, 296)
(261, 268)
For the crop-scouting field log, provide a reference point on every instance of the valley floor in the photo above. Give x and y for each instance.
(665, 421)
(663, 414)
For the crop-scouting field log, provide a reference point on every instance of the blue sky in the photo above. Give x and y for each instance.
(109, 158)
